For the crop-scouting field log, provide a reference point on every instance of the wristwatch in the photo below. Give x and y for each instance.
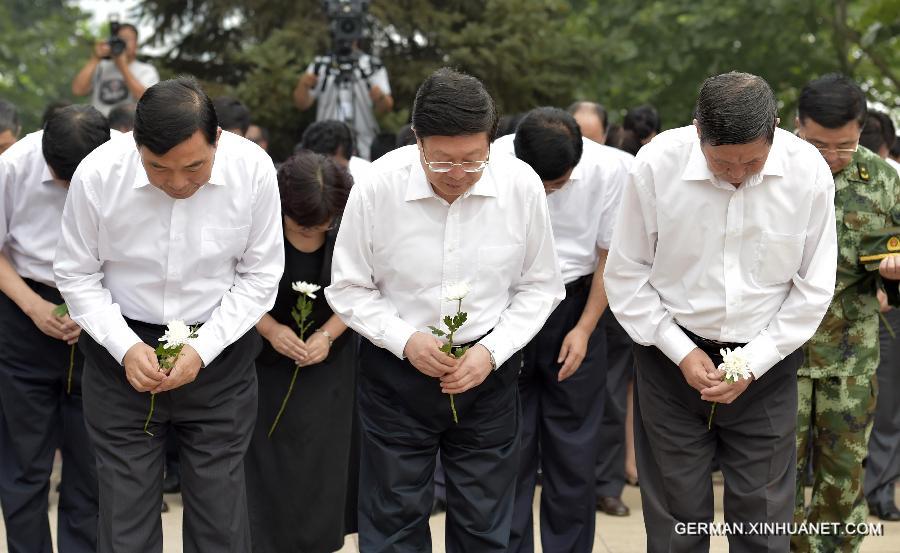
(327, 334)
(493, 361)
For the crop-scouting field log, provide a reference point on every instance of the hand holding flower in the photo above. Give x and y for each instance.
(736, 376)
(185, 370)
(424, 352)
(699, 371)
(286, 342)
(142, 367)
(474, 367)
(317, 348)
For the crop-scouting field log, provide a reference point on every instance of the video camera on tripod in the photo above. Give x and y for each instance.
(347, 21)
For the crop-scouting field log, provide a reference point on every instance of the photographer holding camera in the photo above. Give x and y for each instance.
(113, 75)
(350, 85)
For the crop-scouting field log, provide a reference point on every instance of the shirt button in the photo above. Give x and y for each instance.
(176, 238)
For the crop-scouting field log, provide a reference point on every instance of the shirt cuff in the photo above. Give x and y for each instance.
(499, 346)
(675, 344)
(396, 335)
(207, 346)
(763, 354)
(119, 341)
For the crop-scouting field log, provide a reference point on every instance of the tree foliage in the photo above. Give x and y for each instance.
(528, 52)
(43, 43)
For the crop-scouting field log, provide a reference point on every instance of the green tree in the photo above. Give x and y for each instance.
(43, 44)
(256, 49)
(660, 51)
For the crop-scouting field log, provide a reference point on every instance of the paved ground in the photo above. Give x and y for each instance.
(614, 534)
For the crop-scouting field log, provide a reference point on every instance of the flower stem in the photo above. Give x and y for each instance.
(71, 367)
(284, 402)
(150, 414)
(453, 410)
(711, 413)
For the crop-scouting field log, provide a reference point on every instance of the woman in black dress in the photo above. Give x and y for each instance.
(299, 482)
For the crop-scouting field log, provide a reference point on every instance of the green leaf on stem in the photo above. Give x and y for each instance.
(436, 331)
(61, 310)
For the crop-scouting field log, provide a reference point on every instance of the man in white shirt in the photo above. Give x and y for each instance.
(113, 79)
(179, 221)
(354, 97)
(725, 238)
(563, 379)
(40, 368)
(437, 215)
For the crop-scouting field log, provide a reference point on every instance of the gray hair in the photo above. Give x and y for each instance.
(735, 108)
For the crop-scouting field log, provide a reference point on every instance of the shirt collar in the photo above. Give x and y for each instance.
(216, 176)
(697, 168)
(418, 187)
(47, 176)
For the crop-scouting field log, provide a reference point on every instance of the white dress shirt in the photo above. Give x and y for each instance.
(359, 168)
(127, 249)
(584, 210)
(31, 203)
(400, 246)
(754, 264)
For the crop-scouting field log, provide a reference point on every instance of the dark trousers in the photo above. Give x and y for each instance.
(212, 419)
(404, 420)
(620, 370)
(37, 416)
(883, 463)
(560, 430)
(753, 440)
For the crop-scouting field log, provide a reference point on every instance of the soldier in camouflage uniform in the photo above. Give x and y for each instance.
(837, 385)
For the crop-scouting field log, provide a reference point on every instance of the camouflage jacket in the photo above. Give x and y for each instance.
(867, 199)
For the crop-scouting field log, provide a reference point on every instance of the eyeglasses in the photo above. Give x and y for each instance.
(447, 166)
(841, 153)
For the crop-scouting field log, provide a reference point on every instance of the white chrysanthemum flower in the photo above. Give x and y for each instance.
(177, 333)
(735, 364)
(458, 291)
(306, 288)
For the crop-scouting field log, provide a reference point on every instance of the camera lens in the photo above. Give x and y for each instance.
(348, 26)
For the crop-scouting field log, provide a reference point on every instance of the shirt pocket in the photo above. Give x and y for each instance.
(778, 257)
(221, 248)
(500, 267)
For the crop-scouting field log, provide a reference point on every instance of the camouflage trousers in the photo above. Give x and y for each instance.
(834, 420)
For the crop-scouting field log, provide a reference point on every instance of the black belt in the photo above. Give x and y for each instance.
(153, 326)
(705, 343)
(579, 284)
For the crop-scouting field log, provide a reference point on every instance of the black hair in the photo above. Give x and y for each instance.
(123, 26)
(550, 141)
(313, 188)
(598, 110)
(170, 112)
(450, 103)
(508, 124)
(52, 108)
(382, 143)
(232, 114)
(736, 108)
(878, 132)
(9, 118)
(328, 137)
(895, 149)
(640, 123)
(832, 101)
(406, 136)
(70, 135)
(121, 117)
